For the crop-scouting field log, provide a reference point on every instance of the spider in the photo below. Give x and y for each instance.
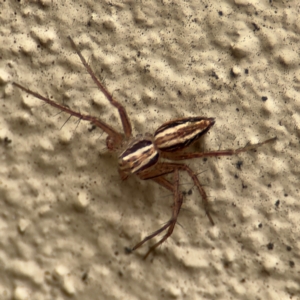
(142, 155)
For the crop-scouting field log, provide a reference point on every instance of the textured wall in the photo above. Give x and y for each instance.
(66, 216)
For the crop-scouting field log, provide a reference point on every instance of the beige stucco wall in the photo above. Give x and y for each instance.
(65, 215)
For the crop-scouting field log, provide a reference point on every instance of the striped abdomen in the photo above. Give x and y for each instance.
(180, 133)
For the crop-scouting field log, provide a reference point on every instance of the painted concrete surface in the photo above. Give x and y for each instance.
(66, 216)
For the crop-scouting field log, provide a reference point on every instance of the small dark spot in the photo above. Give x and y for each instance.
(244, 186)
(260, 225)
(227, 264)
(232, 74)
(292, 264)
(179, 93)
(236, 176)
(246, 71)
(285, 195)
(277, 203)
(269, 185)
(189, 192)
(243, 280)
(239, 164)
(205, 159)
(270, 246)
(237, 109)
(7, 141)
(92, 128)
(213, 74)
(120, 274)
(264, 98)
(138, 54)
(234, 225)
(265, 273)
(128, 250)
(89, 23)
(116, 253)
(220, 13)
(256, 28)
(146, 69)
(84, 276)
(288, 248)
(233, 204)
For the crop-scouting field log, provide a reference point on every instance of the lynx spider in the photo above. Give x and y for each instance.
(141, 155)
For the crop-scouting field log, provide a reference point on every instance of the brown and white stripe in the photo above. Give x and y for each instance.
(139, 156)
(180, 133)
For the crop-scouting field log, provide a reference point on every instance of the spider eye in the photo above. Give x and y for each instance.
(180, 133)
(140, 155)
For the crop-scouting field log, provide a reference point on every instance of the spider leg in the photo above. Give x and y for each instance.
(166, 168)
(156, 174)
(178, 199)
(112, 133)
(228, 152)
(122, 112)
(170, 225)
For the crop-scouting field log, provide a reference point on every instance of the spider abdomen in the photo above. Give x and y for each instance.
(180, 133)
